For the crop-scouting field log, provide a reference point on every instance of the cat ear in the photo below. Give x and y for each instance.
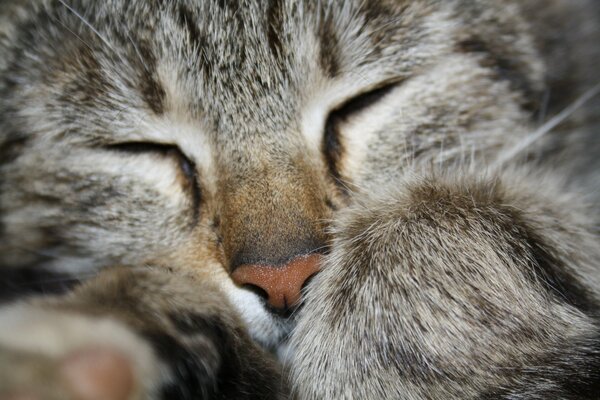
(98, 374)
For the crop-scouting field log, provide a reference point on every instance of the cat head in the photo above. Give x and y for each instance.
(220, 138)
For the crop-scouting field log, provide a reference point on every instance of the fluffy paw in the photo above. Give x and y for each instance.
(451, 289)
(132, 334)
(50, 354)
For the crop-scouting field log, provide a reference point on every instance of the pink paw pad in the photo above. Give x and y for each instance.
(98, 374)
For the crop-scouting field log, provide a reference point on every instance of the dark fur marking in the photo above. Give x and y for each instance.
(275, 27)
(192, 379)
(187, 20)
(193, 324)
(11, 148)
(505, 69)
(550, 271)
(328, 52)
(333, 148)
(228, 4)
(547, 268)
(572, 375)
(87, 84)
(237, 374)
(17, 283)
(143, 56)
(153, 94)
(557, 280)
(376, 10)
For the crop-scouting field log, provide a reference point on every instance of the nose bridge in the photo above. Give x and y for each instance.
(270, 214)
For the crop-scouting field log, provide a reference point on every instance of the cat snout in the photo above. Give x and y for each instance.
(281, 284)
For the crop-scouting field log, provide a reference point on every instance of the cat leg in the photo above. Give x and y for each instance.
(455, 288)
(148, 333)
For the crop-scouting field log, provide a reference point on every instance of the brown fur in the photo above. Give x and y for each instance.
(392, 136)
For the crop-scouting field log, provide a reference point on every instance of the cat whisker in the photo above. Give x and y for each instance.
(317, 249)
(91, 27)
(70, 31)
(137, 51)
(344, 184)
(514, 151)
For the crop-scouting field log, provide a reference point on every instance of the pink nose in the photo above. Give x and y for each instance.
(283, 284)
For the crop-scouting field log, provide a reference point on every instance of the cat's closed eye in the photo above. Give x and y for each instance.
(186, 167)
(333, 145)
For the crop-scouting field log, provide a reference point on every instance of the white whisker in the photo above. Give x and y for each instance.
(137, 51)
(73, 33)
(514, 151)
(86, 23)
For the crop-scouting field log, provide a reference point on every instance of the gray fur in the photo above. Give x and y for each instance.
(447, 274)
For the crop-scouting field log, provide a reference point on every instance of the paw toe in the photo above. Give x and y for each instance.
(98, 374)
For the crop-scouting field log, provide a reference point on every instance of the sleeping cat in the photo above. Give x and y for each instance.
(381, 199)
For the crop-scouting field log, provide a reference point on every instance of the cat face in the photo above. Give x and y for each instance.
(215, 137)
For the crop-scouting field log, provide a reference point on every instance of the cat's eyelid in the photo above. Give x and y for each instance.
(363, 101)
(141, 146)
(165, 149)
(185, 164)
(332, 98)
(377, 86)
(332, 143)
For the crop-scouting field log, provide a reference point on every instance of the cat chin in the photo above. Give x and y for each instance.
(267, 329)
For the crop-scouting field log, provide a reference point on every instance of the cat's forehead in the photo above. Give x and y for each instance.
(246, 51)
(127, 70)
(254, 65)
